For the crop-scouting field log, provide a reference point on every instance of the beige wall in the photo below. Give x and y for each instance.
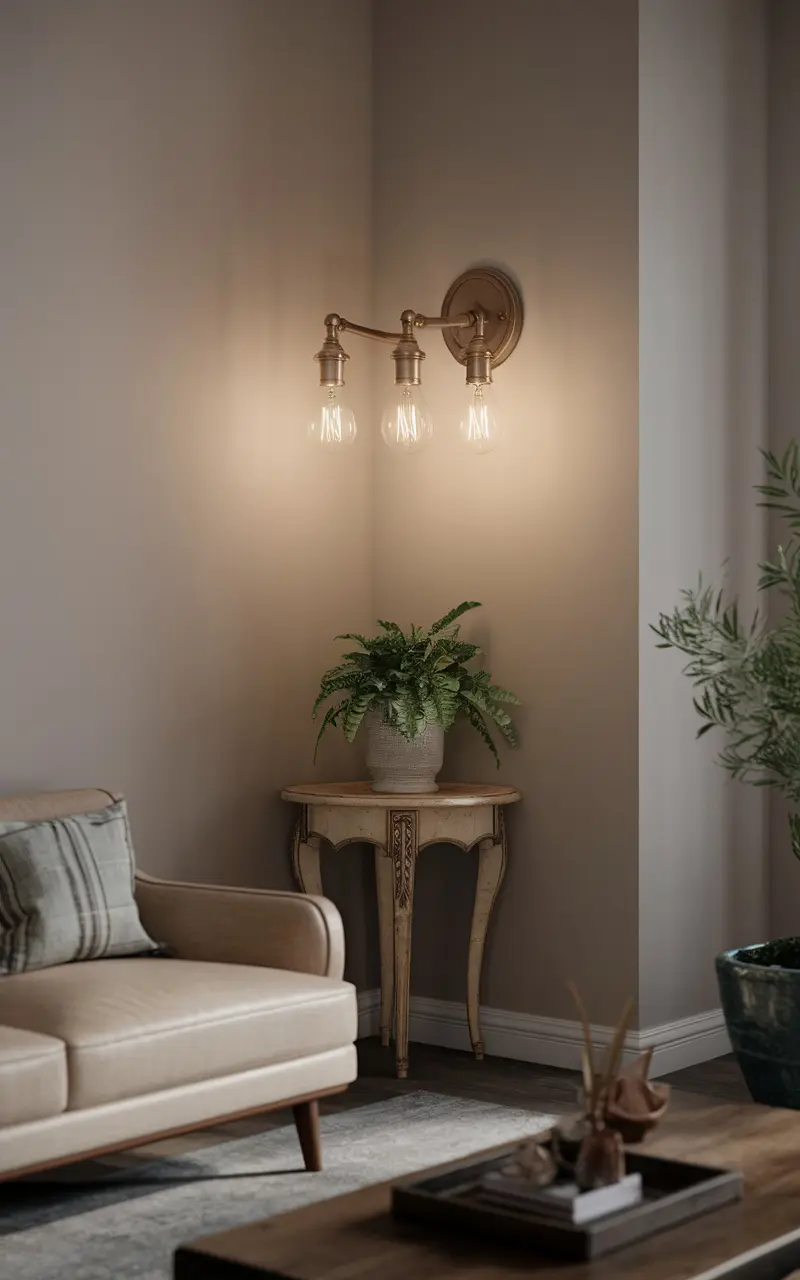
(174, 560)
(784, 366)
(516, 144)
(702, 333)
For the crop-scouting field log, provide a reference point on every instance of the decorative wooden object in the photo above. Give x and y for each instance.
(601, 1159)
(634, 1106)
(354, 1236)
(399, 827)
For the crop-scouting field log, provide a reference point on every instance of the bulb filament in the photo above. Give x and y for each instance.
(478, 419)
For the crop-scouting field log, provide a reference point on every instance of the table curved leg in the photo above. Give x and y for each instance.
(305, 861)
(384, 879)
(403, 850)
(491, 869)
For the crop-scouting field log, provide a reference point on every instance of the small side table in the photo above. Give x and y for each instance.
(399, 826)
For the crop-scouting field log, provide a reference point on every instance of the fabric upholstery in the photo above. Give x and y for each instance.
(66, 890)
(76, 1133)
(135, 1026)
(33, 1076)
(244, 926)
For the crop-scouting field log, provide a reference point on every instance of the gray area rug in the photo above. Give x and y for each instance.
(128, 1226)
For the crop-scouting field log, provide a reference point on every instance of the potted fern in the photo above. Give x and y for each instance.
(747, 682)
(408, 688)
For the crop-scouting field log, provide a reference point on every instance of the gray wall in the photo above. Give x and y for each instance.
(784, 366)
(173, 558)
(702, 366)
(702, 350)
(518, 145)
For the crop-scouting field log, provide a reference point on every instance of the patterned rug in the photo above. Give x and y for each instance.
(127, 1225)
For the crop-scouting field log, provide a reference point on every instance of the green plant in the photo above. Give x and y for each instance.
(414, 679)
(747, 677)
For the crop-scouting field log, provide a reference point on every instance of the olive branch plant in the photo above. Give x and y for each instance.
(747, 675)
(414, 679)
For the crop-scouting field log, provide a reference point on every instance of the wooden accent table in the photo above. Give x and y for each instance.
(399, 826)
(354, 1237)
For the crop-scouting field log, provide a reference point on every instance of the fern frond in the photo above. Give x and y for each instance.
(499, 694)
(331, 717)
(364, 641)
(333, 682)
(354, 714)
(476, 720)
(450, 617)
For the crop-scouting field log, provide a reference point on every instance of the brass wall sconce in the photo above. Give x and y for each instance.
(481, 322)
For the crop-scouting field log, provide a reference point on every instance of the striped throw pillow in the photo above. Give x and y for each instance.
(66, 891)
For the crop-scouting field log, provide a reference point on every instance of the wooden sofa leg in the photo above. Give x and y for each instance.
(306, 1119)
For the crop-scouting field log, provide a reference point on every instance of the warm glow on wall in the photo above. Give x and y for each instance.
(481, 322)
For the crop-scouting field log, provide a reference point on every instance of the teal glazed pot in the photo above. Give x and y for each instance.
(760, 991)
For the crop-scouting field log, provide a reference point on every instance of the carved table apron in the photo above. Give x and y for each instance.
(399, 826)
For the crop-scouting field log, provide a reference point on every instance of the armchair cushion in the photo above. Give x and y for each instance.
(66, 890)
(33, 1076)
(136, 1026)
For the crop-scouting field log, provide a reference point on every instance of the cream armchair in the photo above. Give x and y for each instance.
(247, 1014)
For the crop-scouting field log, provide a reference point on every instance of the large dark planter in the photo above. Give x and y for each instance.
(760, 990)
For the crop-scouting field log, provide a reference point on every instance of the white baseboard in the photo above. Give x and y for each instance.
(552, 1042)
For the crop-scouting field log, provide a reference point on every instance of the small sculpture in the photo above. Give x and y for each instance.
(532, 1163)
(634, 1106)
(601, 1158)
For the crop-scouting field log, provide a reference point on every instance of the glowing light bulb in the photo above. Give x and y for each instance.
(407, 424)
(334, 425)
(479, 427)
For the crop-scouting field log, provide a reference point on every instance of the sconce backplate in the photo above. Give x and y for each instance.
(494, 293)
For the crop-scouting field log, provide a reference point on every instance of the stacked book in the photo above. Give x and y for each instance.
(562, 1201)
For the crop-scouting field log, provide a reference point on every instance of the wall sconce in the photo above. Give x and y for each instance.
(481, 322)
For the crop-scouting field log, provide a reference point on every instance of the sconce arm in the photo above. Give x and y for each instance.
(466, 320)
(378, 335)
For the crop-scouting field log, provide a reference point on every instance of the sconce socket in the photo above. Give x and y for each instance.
(478, 360)
(408, 358)
(331, 356)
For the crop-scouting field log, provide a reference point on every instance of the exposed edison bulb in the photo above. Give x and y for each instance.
(334, 424)
(407, 424)
(479, 427)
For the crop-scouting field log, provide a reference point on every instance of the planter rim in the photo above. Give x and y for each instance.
(732, 957)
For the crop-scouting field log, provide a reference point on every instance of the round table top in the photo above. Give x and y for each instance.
(361, 795)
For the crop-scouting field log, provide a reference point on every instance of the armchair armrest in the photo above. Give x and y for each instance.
(243, 926)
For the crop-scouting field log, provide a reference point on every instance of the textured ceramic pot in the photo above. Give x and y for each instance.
(397, 765)
(761, 1003)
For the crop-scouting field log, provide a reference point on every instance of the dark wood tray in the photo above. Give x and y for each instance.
(673, 1192)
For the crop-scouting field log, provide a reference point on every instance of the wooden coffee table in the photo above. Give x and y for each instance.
(354, 1237)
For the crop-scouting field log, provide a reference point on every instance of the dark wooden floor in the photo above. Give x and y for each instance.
(510, 1083)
